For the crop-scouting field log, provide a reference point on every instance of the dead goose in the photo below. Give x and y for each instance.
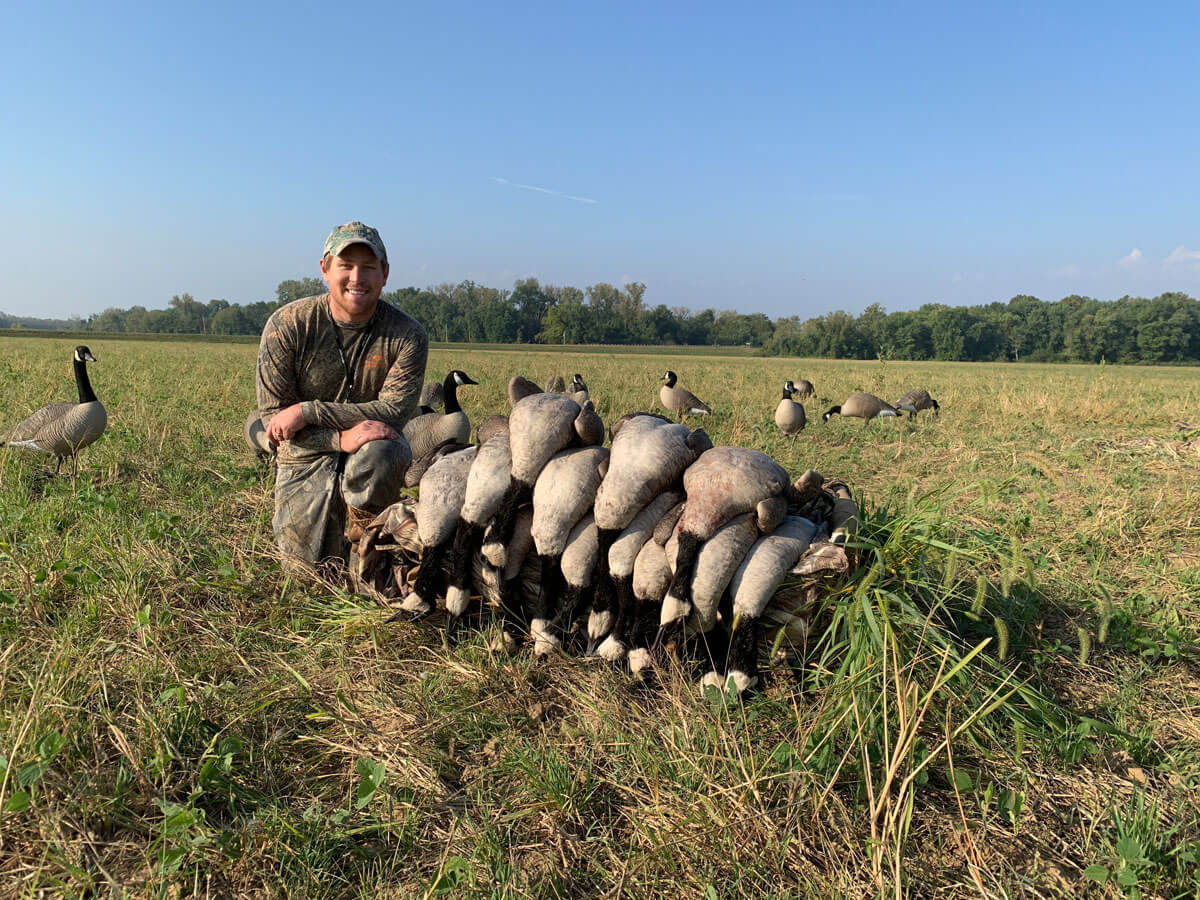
(539, 426)
(789, 415)
(752, 587)
(648, 457)
(723, 483)
(862, 406)
(520, 387)
(442, 491)
(487, 483)
(915, 401)
(681, 402)
(621, 558)
(564, 494)
(255, 434)
(64, 429)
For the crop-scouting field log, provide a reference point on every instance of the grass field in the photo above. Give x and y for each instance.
(1004, 700)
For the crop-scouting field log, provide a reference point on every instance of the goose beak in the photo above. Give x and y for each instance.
(88, 356)
(467, 379)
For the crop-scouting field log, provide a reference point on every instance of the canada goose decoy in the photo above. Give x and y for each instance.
(424, 432)
(579, 390)
(432, 396)
(789, 415)
(862, 406)
(803, 388)
(680, 401)
(915, 401)
(555, 385)
(64, 429)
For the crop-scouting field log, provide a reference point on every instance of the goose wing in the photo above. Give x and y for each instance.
(33, 428)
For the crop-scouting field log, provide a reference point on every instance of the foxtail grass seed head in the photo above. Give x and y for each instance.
(1001, 637)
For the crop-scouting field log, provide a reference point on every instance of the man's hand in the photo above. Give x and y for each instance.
(365, 432)
(284, 424)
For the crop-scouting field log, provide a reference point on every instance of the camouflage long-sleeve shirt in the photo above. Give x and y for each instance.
(340, 374)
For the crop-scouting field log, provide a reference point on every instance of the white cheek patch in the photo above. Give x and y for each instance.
(414, 603)
(639, 659)
(457, 600)
(543, 640)
(612, 649)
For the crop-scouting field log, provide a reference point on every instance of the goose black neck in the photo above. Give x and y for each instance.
(86, 394)
(450, 395)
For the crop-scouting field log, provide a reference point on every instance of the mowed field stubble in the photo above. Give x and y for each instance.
(1003, 698)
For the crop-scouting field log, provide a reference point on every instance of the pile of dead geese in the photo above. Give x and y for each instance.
(658, 543)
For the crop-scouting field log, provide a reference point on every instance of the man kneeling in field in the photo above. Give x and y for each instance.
(339, 375)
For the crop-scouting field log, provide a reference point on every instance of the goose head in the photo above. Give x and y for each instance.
(461, 377)
(669, 378)
(83, 354)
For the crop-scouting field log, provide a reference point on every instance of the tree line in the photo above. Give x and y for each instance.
(1162, 329)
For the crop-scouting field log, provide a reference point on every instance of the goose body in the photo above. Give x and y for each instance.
(487, 483)
(915, 401)
(63, 429)
(752, 586)
(803, 388)
(555, 385)
(622, 555)
(539, 426)
(723, 483)
(862, 406)
(789, 415)
(442, 491)
(520, 387)
(718, 559)
(679, 401)
(426, 431)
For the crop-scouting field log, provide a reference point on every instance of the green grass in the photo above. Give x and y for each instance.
(178, 716)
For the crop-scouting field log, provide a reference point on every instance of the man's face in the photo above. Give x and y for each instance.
(356, 278)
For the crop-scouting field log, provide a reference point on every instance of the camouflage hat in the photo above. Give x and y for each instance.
(355, 233)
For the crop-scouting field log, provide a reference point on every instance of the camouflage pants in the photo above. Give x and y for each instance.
(312, 491)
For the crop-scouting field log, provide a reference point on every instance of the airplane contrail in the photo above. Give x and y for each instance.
(542, 190)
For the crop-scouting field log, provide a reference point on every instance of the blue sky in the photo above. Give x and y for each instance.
(781, 158)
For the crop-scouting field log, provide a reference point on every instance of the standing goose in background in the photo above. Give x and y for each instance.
(789, 415)
(64, 428)
(862, 406)
(432, 396)
(425, 432)
(579, 390)
(915, 401)
(803, 388)
(679, 401)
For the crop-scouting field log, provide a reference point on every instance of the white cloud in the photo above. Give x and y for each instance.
(1182, 255)
(1135, 256)
(542, 190)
